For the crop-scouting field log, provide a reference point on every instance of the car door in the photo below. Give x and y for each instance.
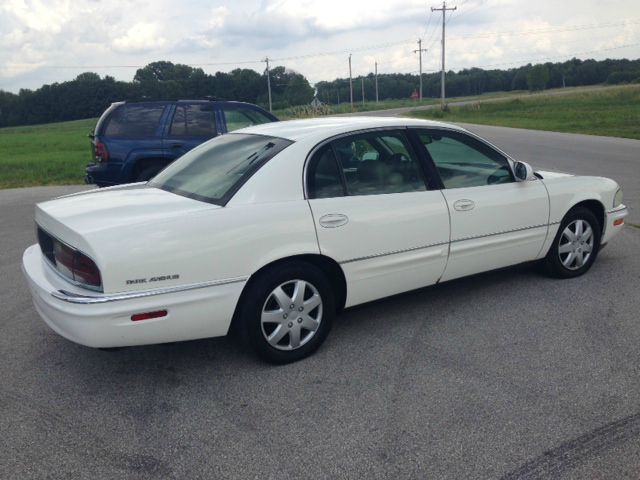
(375, 214)
(191, 125)
(495, 220)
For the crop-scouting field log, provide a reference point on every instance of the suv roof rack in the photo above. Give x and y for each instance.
(144, 98)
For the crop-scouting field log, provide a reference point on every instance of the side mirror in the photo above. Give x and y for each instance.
(523, 172)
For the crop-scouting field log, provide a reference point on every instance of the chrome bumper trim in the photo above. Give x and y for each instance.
(618, 209)
(70, 297)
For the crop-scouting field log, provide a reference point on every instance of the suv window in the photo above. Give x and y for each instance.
(324, 175)
(193, 120)
(378, 163)
(238, 117)
(463, 161)
(134, 121)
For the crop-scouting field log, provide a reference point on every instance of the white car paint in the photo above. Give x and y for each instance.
(388, 244)
(391, 253)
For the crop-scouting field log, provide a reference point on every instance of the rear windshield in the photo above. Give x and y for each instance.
(215, 170)
(134, 121)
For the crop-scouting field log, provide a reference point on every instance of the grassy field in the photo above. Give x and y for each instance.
(611, 111)
(56, 153)
(51, 154)
(368, 106)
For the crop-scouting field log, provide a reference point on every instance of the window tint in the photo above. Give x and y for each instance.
(243, 117)
(462, 161)
(377, 163)
(212, 171)
(134, 121)
(196, 120)
(323, 176)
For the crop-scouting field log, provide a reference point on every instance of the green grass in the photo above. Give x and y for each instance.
(56, 153)
(610, 111)
(50, 154)
(368, 106)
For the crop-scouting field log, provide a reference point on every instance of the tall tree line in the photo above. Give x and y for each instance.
(476, 81)
(88, 95)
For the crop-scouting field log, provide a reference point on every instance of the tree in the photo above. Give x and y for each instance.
(538, 77)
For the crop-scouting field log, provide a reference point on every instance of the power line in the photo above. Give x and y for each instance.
(538, 31)
(428, 42)
(572, 55)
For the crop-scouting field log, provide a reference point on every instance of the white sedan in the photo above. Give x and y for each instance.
(275, 228)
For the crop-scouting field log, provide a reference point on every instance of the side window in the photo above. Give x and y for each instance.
(134, 121)
(462, 161)
(378, 163)
(193, 120)
(323, 177)
(237, 118)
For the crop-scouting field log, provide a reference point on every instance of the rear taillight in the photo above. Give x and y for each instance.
(64, 258)
(102, 154)
(69, 262)
(85, 271)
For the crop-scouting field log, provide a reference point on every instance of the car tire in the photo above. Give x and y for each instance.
(147, 174)
(280, 309)
(574, 249)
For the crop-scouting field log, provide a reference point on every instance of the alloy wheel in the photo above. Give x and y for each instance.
(291, 315)
(576, 244)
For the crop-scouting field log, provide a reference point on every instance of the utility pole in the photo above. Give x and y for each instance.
(419, 52)
(268, 82)
(350, 85)
(362, 81)
(444, 10)
(376, 82)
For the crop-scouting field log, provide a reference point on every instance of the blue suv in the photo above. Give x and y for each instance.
(132, 142)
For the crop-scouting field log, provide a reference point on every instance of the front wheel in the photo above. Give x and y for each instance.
(287, 312)
(575, 246)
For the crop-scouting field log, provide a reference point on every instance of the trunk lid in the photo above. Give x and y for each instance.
(77, 218)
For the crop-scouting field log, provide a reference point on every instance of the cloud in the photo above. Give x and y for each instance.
(142, 37)
(39, 36)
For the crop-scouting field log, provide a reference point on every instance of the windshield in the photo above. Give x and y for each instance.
(215, 170)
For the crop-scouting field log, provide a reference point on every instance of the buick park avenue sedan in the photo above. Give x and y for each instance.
(275, 228)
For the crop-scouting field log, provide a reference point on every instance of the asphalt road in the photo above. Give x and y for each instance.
(507, 375)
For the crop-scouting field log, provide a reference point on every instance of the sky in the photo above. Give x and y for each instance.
(43, 42)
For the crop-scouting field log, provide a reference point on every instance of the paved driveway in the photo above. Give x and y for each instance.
(508, 374)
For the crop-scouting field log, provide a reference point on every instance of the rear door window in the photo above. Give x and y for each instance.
(238, 117)
(379, 163)
(193, 120)
(323, 177)
(134, 121)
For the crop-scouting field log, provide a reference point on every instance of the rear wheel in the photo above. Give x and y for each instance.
(576, 244)
(287, 312)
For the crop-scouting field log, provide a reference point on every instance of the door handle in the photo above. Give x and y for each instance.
(176, 145)
(333, 220)
(464, 205)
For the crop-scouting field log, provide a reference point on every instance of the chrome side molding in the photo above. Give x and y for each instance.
(71, 297)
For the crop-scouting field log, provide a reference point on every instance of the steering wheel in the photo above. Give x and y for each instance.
(498, 176)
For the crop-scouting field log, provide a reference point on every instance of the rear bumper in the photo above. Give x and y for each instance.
(614, 221)
(102, 174)
(104, 320)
